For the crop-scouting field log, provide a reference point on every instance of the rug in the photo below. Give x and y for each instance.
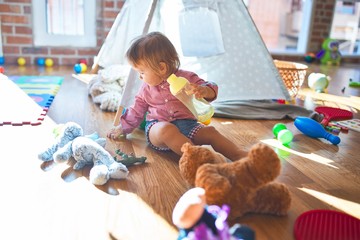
(41, 89)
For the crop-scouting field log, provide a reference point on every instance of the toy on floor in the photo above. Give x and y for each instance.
(310, 57)
(282, 134)
(246, 185)
(21, 61)
(318, 82)
(332, 114)
(40, 62)
(198, 221)
(353, 84)
(330, 53)
(128, 160)
(49, 62)
(77, 68)
(107, 86)
(324, 224)
(86, 150)
(313, 129)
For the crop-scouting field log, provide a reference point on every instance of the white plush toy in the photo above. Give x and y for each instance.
(85, 150)
(106, 87)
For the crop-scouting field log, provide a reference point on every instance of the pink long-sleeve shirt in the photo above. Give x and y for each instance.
(160, 104)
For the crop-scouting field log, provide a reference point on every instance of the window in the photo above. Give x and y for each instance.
(282, 24)
(345, 27)
(64, 23)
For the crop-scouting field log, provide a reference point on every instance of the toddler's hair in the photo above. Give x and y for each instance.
(151, 49)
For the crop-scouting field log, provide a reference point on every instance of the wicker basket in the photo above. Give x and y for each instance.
(293, 75)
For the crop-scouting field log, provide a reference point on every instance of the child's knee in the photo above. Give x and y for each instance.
(166, 130)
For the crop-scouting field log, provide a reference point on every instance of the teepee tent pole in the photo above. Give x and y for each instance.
(132, 74)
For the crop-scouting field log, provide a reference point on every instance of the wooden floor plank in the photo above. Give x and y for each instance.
(52, 201)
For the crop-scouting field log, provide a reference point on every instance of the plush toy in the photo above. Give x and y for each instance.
(198, 221)
(107, 86)
(85, 150)
(318, 82)
(330, 53)
(246, 185)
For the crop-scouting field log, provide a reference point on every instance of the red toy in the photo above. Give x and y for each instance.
(326, 225)
(333, 114)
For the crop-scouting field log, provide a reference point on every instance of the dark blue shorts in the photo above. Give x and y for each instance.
(188, 127)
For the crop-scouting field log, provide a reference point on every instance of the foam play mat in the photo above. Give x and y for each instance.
(326, 225)
(26, 99)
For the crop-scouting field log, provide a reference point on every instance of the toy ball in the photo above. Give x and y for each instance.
(2, 70)
(83, 67)
(49, 62)
(2, 60)
(83, 61)
(40, 61)
(77, 68)
(318, 81)
(310, 57)
(21, 61)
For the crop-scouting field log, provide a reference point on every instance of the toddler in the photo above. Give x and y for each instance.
(169, 124)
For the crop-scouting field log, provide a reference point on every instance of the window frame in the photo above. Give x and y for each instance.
(43, 38)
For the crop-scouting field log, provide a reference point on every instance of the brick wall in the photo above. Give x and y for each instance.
(16, 25)
(17, 34)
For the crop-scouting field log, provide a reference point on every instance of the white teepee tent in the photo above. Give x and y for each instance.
(217, 39)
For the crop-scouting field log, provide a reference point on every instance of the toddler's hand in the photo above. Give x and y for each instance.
(198, 91)
(116, 133)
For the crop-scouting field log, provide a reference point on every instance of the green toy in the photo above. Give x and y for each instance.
(129, 160)
(329, 54)
(353, 84)
(282, 133)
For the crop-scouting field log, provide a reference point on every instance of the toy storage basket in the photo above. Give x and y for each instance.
(293, 75)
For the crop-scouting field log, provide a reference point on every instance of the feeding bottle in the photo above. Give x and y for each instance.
(200, 108)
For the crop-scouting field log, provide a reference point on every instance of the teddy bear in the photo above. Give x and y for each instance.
(246, 185)
(86, 150)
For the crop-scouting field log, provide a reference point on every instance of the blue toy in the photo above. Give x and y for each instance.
(77, 68)
(40, 61)
(313, 129)
(2, 60)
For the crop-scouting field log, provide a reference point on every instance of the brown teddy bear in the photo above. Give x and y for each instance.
(245, 185)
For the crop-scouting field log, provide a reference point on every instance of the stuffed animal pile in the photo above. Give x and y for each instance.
(106, 87)
(246, 185)
(86, 150)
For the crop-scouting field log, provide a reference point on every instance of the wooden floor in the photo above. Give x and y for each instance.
(49, 201)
